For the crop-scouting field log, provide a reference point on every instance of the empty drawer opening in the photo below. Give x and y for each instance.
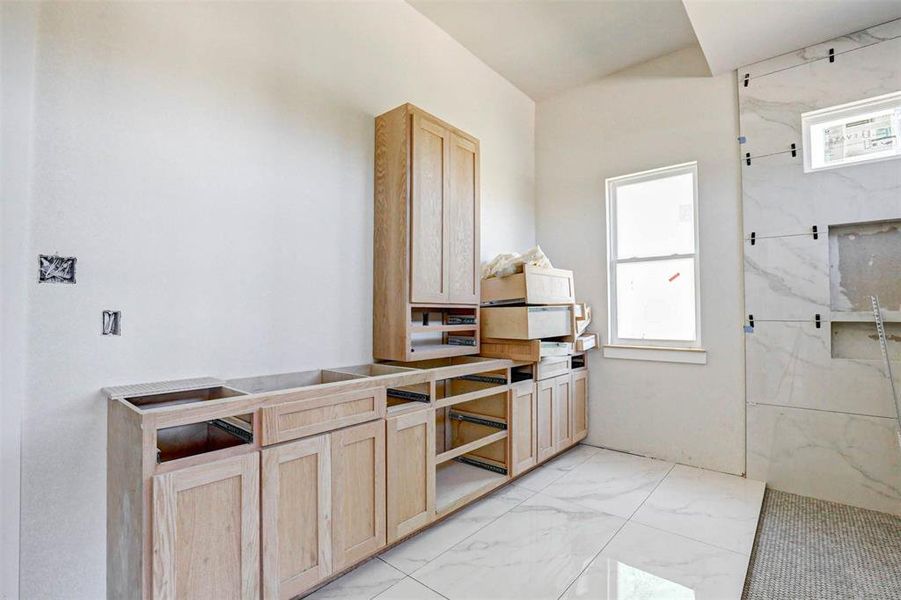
(523, 373)
(184, 397)
(458, 480)
(182, 441)
(408, 395)
(578, 361)
(463, 388)
(476, 429)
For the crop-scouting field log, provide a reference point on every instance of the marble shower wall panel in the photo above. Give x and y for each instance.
(779, 198)
(771, 105)
(834, 456)
(820, 411)
(790, 364)
(853, 41)
(787, 277)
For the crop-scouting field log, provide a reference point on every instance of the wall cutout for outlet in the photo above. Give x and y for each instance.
(56, 269)
(112, 322)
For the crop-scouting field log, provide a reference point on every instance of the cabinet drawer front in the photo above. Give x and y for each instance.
(526, 322)
(553, 367)
(534, 285)
(316, 415)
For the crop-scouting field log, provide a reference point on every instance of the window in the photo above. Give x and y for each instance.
(862, 131)
(652, 253)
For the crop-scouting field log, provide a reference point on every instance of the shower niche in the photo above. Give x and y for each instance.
(864, 261)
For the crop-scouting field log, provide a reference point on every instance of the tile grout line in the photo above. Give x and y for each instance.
(659, 483)
(612, 537)
(748, 554)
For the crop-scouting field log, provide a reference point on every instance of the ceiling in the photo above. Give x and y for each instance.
(545, 47)
(736, 33)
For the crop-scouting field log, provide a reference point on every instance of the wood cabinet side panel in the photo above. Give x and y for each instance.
(125, 532)
(391, 259)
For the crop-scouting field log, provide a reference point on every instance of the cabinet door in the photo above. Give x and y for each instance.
(544, 438)
(428, 211)
(523, 427)
(296, 517)
(462, 225)
(562, 420)
(206, 531)
(358, 492)
(411, 472)
(580, 405)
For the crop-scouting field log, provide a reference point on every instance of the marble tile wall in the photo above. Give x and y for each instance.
(817, 425)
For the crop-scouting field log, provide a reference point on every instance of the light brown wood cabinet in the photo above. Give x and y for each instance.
(562, 413)
(545, 391)
(580, 405)
(296, 516)
(523, 427)
(206, 527)
(411, 472)
(358, 492)
(426, 238)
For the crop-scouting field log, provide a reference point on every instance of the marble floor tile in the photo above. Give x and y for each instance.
(533, 551)
(409, 589)
(420, 549)
(710, 507)
(543, 476)
(363, 583)
(611, 482)
(646, 563)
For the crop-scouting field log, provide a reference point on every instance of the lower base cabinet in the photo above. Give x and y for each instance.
(411, 472)
(206, 524)
(323, 502)
(296, 517)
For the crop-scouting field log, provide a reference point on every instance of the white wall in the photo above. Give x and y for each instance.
(661, 113)
(17, 54)
(211, 167)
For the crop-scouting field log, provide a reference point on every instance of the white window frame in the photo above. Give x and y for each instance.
(650, 349)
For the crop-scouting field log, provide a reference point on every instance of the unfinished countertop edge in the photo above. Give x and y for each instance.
(252, 401)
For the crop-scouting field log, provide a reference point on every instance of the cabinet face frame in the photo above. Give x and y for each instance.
(545, 392)
(283, 586)
(579, 405)
(166, 551)
(524, 427)
(349, 492)
(405, 482)
(428, 259)
(562, 419)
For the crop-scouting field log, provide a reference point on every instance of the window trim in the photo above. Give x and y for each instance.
(611, 184)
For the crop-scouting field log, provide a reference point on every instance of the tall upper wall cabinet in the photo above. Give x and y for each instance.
(426, 240)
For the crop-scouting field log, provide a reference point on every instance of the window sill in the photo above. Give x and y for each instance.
(692, 356)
